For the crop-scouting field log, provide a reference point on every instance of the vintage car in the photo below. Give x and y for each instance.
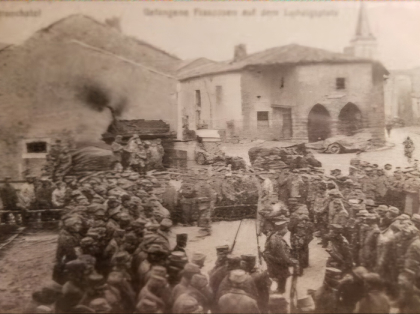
(359, 142)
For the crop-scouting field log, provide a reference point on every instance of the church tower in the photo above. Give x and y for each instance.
(363, 44)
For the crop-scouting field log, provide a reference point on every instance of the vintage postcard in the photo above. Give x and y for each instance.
(209, 157)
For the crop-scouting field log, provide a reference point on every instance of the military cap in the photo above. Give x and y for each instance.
(190, 305)
(333, 271)
(336, 227)
(181, 237)
(362, 212)
(410, 230)
(94, 207)
(178, 256)
(280, 224)
(140, 222)
(394, 210)
(360, 271)
(71, 221)
(415, 218)
(237, 276)
(114, 211)
(100, 305)
(349, 182)
(371, 217)
(191, 268)
(249, 257)
(96, 278)
(370, 202)
(357, 185)
(146, 306)
(119, 232)
(113, 199)
(152, 226)
(125, 217)
(75, 265)
(222, 248)
(158, 271)
(155, 248)
(199, 281)
(382, 208)
(198, 258)
(125, 197)
(292, 200)
(86, 241)
(122, 257)
(43, 309)
(403, 217)
(166, 223)
(278, 218)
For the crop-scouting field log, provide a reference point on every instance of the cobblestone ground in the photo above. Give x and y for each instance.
(26, 264)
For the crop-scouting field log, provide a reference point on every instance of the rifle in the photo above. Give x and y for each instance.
(234, 240)
(258, 241)
(293, 290)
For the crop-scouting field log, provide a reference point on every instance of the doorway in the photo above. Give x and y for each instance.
(350, 120)
(319, 123)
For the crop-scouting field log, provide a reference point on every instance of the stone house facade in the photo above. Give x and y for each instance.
(290, 92)
(70, 81)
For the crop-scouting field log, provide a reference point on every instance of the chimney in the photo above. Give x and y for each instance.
(240, 52)
(114, 22)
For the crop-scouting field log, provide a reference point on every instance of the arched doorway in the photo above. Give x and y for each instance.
(350, 119)
(319, 124)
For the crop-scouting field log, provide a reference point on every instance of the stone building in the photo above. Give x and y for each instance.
(290, 92)
(70, 81)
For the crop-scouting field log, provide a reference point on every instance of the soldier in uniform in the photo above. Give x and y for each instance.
(326, 297)
(395, 194)
(301, 230)
(188, 202)
(205, 199)
(340, 250)
(369, 244)
(277, 256)
(181, 242)
(68, 239)
(261, 279)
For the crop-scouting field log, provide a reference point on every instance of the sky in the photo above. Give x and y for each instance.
(327, 25)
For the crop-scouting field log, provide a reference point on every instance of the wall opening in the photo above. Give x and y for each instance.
(340, 83)
(36, 147)
(262, 119)
(350, 120)
(319, 124)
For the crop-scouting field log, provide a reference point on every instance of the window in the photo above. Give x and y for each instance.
(219, 95)
(340, 83)
(262, 119)
(282, 82)
(198, 99)
(36, 148)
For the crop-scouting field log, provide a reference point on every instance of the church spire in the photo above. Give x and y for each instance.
(362, 27)
(363, 44)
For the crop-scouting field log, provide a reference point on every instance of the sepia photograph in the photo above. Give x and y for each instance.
(209, 157)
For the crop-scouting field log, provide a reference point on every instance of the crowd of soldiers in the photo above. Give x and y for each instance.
(366, 221)
(114, 251)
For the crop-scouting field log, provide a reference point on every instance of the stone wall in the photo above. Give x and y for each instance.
(51, 85)
(263, 89)
(220, 102)
(317, 85)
